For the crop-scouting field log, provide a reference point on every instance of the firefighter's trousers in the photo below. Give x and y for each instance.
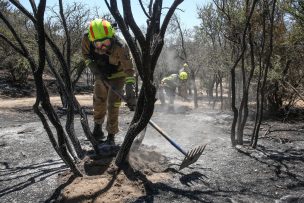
(105, 101)
(170, 92)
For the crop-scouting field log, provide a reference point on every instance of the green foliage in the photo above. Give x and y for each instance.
(275, 73)
(18, 67)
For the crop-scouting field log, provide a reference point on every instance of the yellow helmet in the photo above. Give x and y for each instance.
(100, 29)
(183, 75)
(185, 65)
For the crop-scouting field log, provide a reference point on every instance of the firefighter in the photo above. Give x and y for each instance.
(109, 59)
(170, 84)
(182, 89)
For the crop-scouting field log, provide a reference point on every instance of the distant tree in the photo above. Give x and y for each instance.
(76, 16)
(249, 28)
(183, 44)
(215, 63)
(11, 61)
(285, 86)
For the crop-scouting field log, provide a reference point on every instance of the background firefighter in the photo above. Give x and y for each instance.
(186, 84)
(108, 58)
(169, 84)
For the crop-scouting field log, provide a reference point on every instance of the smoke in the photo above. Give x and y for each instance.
(171, 60)
(188, 128)
(148, 159)
(168, 63)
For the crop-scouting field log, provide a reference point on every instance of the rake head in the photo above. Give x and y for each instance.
(192, 156)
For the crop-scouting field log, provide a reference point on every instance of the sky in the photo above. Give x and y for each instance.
(188, 17)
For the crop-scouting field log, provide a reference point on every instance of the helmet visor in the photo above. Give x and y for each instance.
(102, 44)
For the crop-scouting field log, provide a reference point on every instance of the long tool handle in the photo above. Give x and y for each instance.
(156, 127)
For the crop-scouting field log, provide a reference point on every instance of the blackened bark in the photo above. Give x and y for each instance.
(267, 66)
(233, 107)
(261, 54)
(139, 122)
(247, 86)
(145, 58)
(221, 95)
(242, 104)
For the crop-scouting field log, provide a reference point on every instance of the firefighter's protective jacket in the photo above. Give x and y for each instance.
(172, 81)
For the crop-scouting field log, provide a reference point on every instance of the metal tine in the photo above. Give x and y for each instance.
(203, 148)
(191, 153)
(200, 149)
(190, 156)
(195, 151)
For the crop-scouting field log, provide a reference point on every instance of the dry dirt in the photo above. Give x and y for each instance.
(105, 183)
(30, 170)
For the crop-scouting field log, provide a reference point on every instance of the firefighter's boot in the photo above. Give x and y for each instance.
(97, 132)
(110, 139)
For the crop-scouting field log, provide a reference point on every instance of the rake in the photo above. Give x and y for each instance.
(190, 157)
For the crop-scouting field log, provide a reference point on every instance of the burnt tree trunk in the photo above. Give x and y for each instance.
(264, 67)
(145, 56)
(267, 66)
(233, 107)
(242, 104)
(221, 94)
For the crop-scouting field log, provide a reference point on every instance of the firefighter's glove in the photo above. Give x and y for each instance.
(130, 93)
(162, 83)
